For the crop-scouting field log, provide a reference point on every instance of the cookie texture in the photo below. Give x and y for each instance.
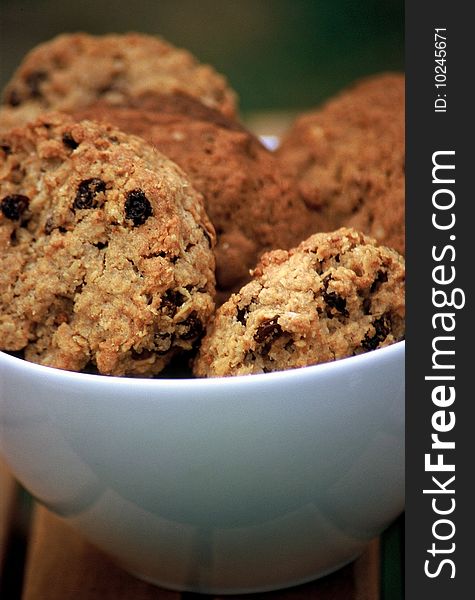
(348, 158)
(72, 71)
(254, 207)
(106, 258)
(335, 295)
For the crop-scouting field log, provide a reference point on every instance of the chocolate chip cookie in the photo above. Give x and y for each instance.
(106, 258)
(335, 295)
(254, 207)
(348, 158)
(75, 70)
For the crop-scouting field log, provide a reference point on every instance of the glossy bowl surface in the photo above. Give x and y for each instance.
(220, 485)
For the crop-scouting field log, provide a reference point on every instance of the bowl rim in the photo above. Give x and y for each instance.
(334, 367)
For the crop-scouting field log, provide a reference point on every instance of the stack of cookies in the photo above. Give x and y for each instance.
(132, 200)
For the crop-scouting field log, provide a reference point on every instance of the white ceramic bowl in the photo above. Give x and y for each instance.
(220, 485)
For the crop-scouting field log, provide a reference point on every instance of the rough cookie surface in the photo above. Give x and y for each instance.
(348, 158)
(75, 70)
(253, 206)
(335, 295)
(105, 256)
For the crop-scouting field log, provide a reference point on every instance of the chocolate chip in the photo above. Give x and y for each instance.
(333, 300)
(171, 301)
(194, 327)
(14, 206)
(87, 192)
(33, 81)
(382, 328)
(7, 149)
(381, 278)
(69, 141)
(137, 207)
(268, 331)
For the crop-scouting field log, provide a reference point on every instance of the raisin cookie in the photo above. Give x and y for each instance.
(253, 206)
(335, 295)
(348, 158)
(106, 258)
(72, 71)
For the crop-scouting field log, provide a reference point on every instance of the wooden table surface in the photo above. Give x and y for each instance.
(41, 558)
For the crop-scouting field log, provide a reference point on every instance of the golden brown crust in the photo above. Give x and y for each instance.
(348, 158)
(105, 250)
(254, 207)
(72, 71)
(335, 295)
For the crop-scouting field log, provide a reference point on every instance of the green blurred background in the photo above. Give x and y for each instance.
(277, 54)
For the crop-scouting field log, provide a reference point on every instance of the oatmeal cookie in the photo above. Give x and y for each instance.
(253, 206)
(106, 258)
(348, 158)
(72, 71)
(335, 295)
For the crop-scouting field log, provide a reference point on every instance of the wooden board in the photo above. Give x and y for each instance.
(61, 565)
(8, 491)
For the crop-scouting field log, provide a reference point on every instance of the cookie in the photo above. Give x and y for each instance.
(254, 207)
(106, 258)
(75, 70)
(335, 295)
(348, 158)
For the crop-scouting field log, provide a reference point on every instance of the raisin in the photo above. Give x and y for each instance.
(33, 81)
(69, 141)
(7, 149)
(333, 300)
(87, 192)
(382, 329)
(381, 278)
(241, 315)
(194, 326)
(289, 346)
(171, 301)
(268, 331)
(137, 207)
(367, 306)
(13, 98)
(14, 206)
